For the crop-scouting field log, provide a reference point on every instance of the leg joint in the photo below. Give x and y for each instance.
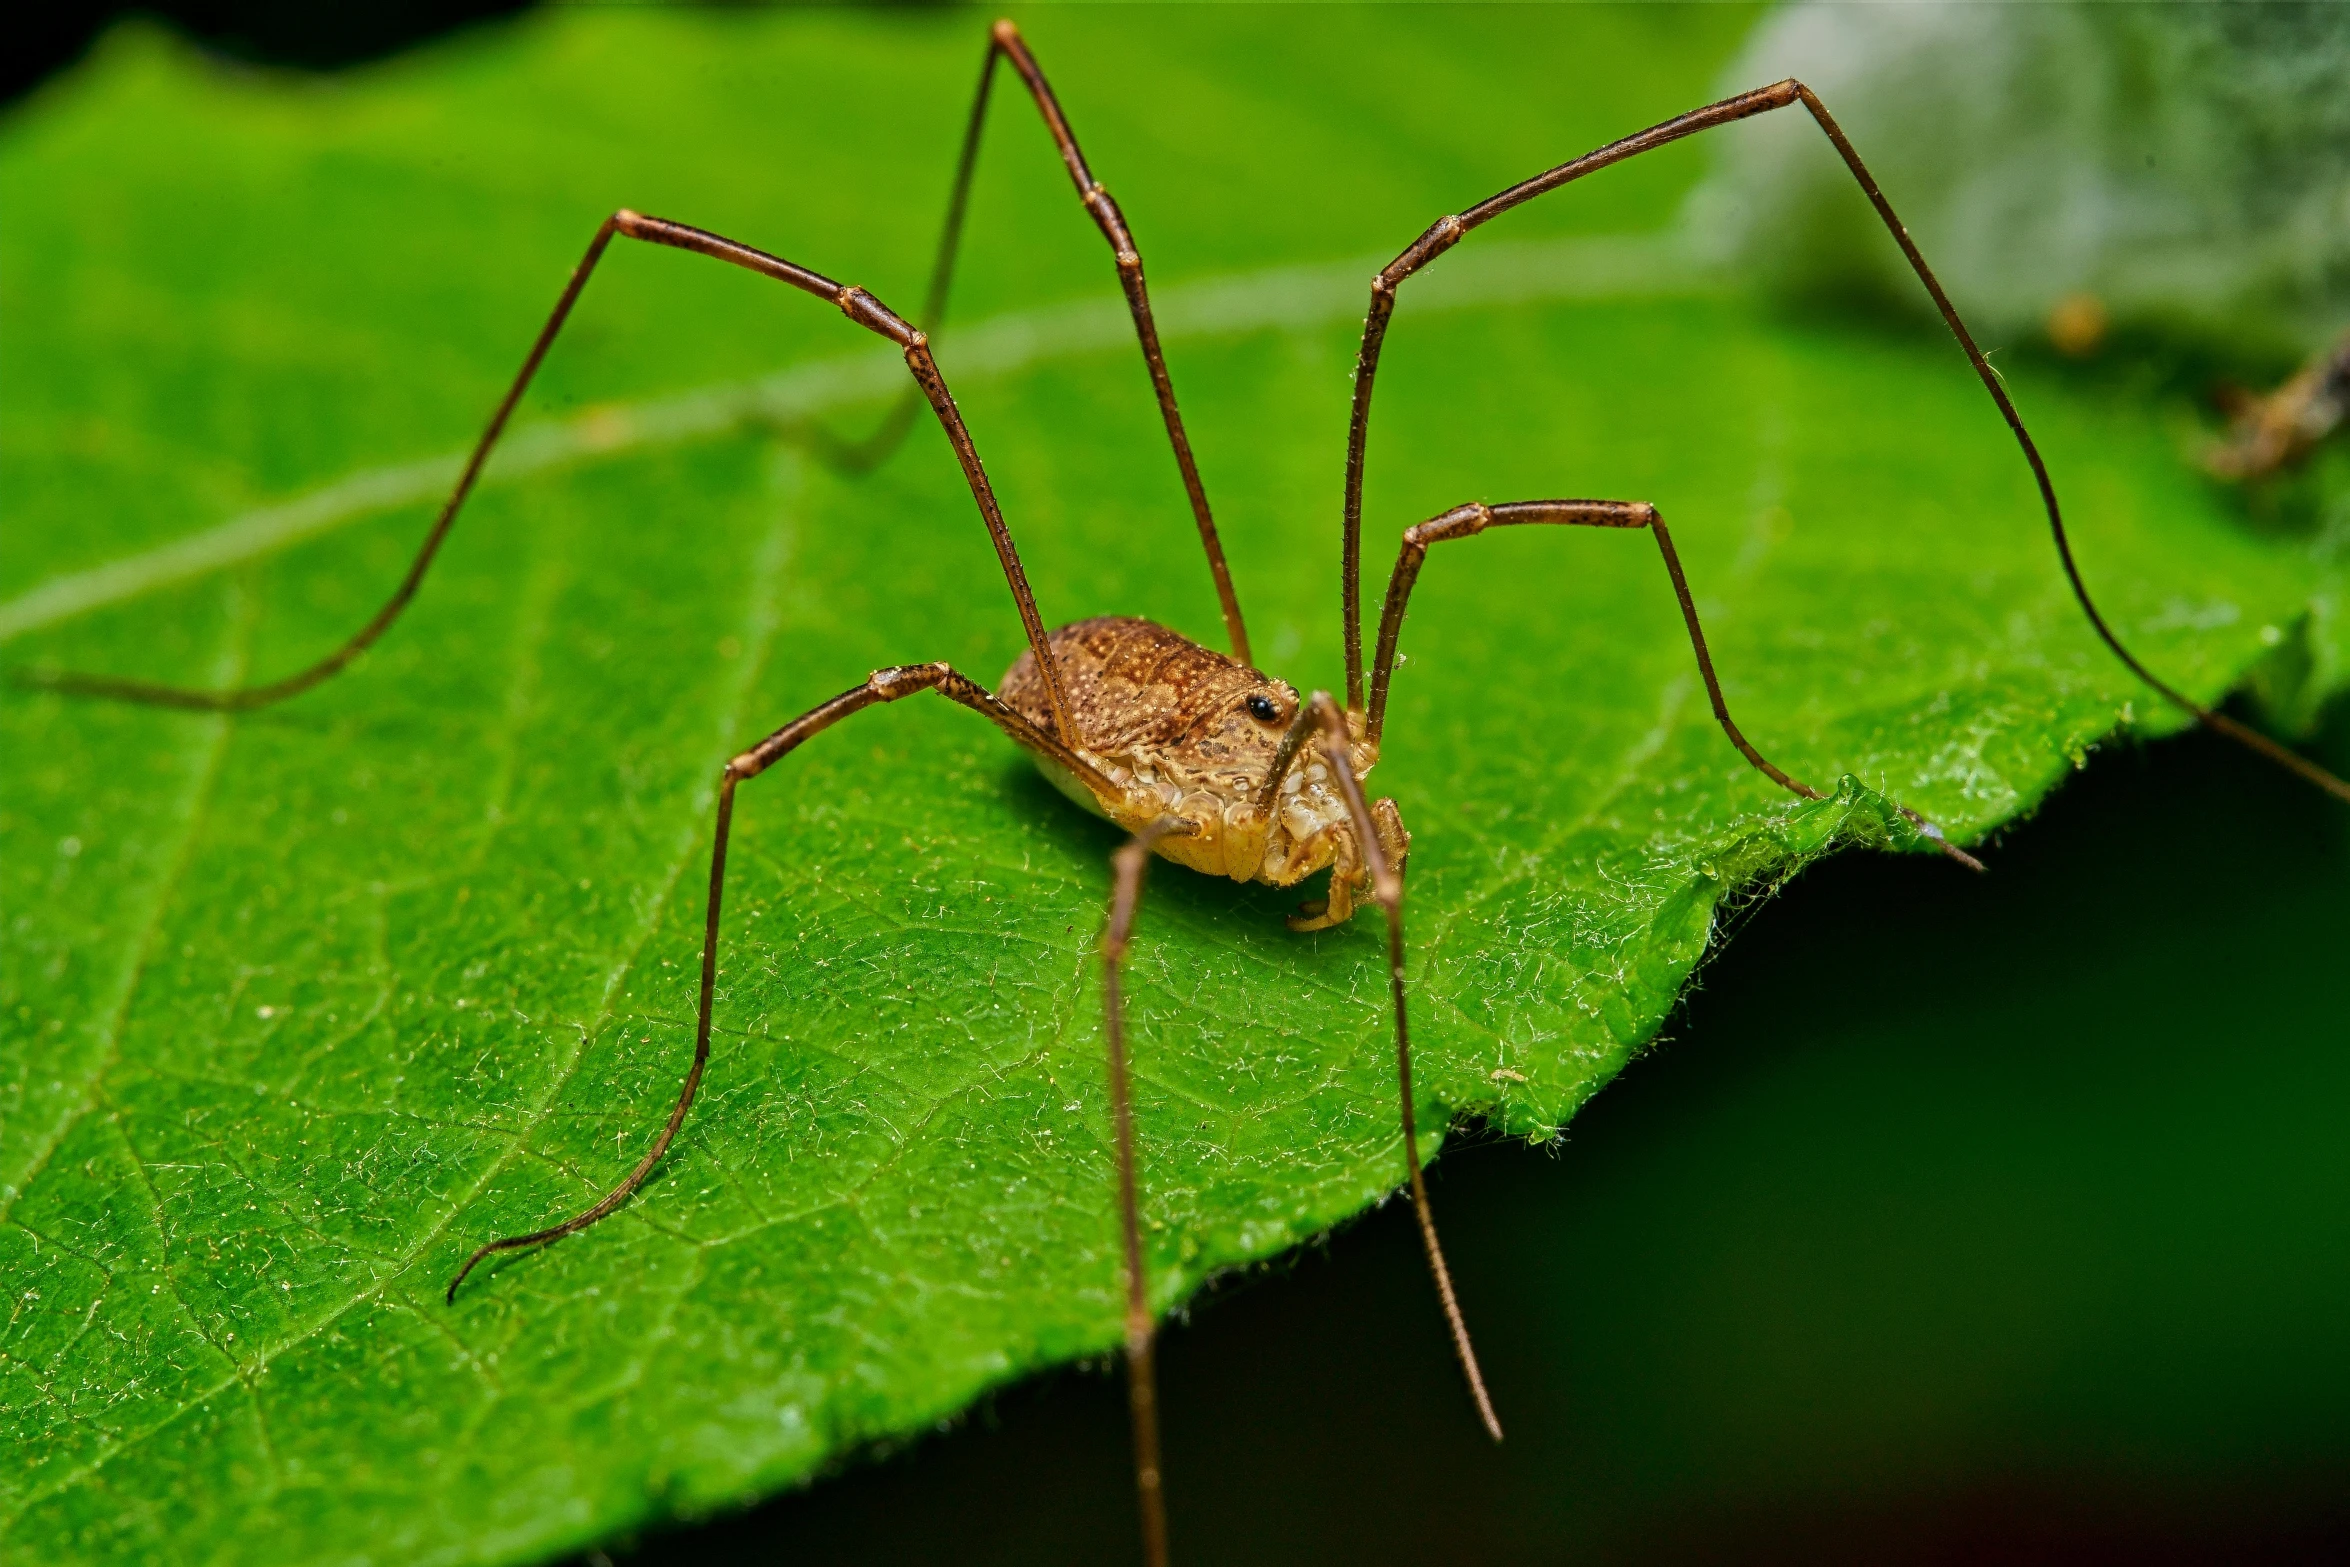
(862, 308)
(1459, 523)
(1440, 237)
(904, 680)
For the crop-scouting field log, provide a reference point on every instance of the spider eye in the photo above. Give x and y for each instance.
(1261, 708)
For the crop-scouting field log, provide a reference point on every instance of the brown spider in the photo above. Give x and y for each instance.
(1200, 757)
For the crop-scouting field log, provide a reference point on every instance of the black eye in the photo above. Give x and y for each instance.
(1261, 708)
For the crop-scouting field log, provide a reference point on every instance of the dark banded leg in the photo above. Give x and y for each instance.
(1142, 1393)
(855, 303)
(883, 685)
(1005, 43)
(1386, 887)
(1467, 521)
(862, 456)
(1449, 230)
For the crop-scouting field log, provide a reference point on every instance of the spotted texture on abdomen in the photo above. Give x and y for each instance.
(1133, 686)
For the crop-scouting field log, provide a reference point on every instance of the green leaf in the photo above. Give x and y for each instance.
(304, 1005)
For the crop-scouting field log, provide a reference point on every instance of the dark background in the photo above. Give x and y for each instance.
(1958, 1220)
(300, 33)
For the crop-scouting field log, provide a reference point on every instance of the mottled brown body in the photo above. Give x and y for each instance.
(1186, 732)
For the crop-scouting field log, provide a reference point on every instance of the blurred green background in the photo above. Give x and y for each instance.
(1955, 1221)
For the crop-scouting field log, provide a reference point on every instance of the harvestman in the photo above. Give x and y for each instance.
(1202, 758)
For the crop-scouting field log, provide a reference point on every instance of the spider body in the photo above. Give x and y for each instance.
(1190, 735)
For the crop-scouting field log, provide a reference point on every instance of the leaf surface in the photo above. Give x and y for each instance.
(304, 1005)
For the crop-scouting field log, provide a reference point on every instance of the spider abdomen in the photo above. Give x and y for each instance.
(1184, 731)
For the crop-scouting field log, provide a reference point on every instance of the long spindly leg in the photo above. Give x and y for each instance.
(855, 303)
(1005, 43)
(1449, 230)
(861, 456)
(1142, 1393)
(883, 685)
(1386, 879)
(1466, 521)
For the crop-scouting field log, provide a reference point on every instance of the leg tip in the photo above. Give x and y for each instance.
(1312, 916)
